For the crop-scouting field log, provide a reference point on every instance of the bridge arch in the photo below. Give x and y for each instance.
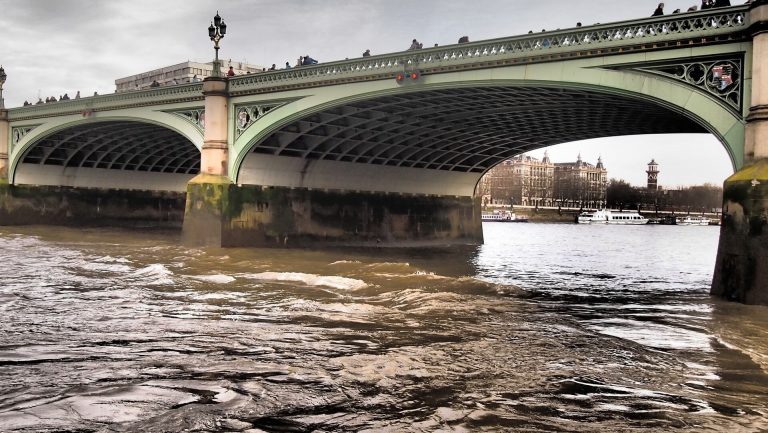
(125, 152)
(459, 125)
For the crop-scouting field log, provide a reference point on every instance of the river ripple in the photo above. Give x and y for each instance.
(611, 329)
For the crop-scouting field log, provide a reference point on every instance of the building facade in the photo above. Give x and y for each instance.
(522, 180)
(181, 73)
(526, 181)
(581, 184)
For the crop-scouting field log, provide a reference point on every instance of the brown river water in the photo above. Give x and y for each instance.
(545, 328)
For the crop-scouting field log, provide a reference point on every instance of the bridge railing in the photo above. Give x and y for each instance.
(155, 96)
(711, 23)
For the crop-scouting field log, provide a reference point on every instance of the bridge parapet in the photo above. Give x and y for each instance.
(690, 28)
(113, 101)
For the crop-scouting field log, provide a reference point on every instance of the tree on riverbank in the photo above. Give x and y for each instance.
(699, 198)
(622, 195)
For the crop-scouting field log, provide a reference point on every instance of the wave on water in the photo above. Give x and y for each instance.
(390, 266)
(110, 259)
(215, 279)
(153, 275)
(332, 281)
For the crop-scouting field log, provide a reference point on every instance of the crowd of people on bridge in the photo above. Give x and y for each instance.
(705, 4)
(51, 99)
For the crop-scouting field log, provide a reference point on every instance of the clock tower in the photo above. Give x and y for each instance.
(653, 175)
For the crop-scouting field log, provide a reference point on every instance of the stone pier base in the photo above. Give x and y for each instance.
(66, 206)
(219, 213)
(741, 271)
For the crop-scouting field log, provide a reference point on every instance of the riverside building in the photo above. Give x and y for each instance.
(581, 184)
(522, 180)
(527, 181)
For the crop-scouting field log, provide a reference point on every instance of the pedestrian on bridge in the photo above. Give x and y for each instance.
(659, 10)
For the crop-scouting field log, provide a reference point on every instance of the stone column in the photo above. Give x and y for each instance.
(214, 154)
(208, 193)
(5, 137)
(756, 145)
(741, 270)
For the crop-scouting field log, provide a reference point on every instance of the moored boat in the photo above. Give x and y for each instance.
(698, 220)
(503, 217)
(626, 218)
(667, 220)
(611, 217)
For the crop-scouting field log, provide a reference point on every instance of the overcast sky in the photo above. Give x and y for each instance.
(52, 47)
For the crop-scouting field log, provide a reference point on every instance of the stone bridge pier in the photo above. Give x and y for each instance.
(741, 272)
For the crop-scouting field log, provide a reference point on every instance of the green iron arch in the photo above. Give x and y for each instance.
(585, 109)
(114, 143)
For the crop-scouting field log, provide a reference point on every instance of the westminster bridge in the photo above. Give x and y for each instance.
(389, 149)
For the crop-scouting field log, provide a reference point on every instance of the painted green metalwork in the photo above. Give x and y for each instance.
(114, 101)
(720, 77)
(713, 25)
(697, 28)
(17, 133)
(195, 116)
(246, 115)
(324, 127)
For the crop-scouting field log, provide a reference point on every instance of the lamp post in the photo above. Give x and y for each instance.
(216, 32)
(3, 76)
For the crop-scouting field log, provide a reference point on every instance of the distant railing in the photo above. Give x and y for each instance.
(702, 26)
(154, 96)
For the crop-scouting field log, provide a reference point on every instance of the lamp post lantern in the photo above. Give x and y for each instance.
(216, 32)
(3, 76)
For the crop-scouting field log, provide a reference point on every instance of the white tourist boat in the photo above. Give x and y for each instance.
(611, 217)
(699, 220)
(503, 216)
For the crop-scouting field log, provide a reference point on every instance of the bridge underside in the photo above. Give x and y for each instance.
(111, 154)
(441, 141)
(466, 130)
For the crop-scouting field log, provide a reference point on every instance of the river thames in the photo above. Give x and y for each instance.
(545, 328)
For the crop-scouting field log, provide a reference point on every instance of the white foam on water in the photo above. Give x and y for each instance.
(390, 266)
(216, 279)
(653, 334)
(98, 266)
(332, 281)
(110, 259)
(345, 262)
(156, 273)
